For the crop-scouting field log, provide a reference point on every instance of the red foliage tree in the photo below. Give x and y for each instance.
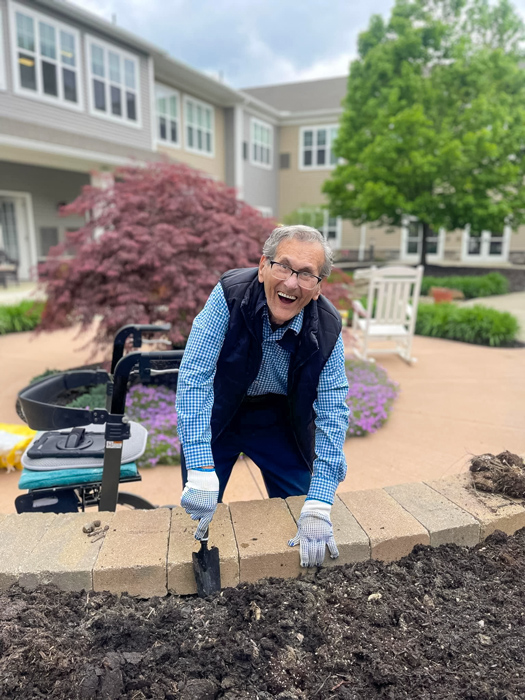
(153, 247)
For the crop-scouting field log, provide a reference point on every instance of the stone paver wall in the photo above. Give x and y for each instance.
(148, 553)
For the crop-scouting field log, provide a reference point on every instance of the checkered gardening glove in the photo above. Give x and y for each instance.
(199, 498)
(315, 533)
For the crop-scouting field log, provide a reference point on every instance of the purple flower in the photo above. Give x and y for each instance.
(370, 397)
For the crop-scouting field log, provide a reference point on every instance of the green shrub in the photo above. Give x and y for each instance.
(24, 316)
(477, 324)
(472, 287)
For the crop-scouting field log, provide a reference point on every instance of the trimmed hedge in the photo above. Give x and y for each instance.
(24, 316)
(472, 287)
(476, 324)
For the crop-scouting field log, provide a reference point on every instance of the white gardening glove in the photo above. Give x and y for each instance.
(200, 497)
(315, 533)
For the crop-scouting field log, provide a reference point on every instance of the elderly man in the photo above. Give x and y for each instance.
(263, 374)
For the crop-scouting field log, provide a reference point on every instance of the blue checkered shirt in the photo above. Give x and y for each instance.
(195, 393)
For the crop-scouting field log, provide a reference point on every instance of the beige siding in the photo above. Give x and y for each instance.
(303, 188)
(214, 166)
(517, 240)
(297, 187)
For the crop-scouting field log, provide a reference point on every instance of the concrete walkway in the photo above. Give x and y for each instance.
(459, 400)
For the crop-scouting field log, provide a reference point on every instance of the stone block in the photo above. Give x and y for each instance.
(65, 555)
(134, 553)
(492, 511)
(352, 541)
(262, 529)
(393, 532)
(445, 522)
(19, 536)
(181, 579)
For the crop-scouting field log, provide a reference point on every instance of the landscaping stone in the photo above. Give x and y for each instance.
(66, 555)
(134, 554)
(393, 532)
(19, 535)
(181, 578)
(493, 511)
(445, 522)
(352, 541)
(262, 530)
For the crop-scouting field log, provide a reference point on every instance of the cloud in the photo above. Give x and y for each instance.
(259, 42)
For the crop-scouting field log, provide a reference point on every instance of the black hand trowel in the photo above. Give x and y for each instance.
(207, 569)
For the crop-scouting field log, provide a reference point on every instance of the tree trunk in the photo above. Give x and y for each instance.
(426, 230)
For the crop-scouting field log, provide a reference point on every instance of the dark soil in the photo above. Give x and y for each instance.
(503, 473)
(442, 623)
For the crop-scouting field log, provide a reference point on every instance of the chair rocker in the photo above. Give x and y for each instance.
(390, 314)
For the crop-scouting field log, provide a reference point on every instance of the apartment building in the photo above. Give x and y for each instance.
(80, 96)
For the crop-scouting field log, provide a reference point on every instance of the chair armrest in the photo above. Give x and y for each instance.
(358, 308)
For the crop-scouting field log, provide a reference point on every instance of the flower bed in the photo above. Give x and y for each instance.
(370, 397)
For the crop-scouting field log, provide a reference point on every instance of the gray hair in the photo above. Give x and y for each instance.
(301, 233)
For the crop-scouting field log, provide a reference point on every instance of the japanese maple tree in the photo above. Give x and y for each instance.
(153, 246)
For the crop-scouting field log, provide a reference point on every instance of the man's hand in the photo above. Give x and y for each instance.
(315, 533)
(199, 498)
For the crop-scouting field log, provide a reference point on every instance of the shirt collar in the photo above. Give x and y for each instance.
(295, 324)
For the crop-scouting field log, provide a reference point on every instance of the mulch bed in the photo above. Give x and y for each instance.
(441, 623)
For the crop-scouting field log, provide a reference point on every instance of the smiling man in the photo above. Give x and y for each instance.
(263, 374)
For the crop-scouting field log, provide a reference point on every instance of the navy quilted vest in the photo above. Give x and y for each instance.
(241, 355)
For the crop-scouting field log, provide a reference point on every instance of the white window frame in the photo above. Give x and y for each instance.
(315, 211)
(415, 257)
(38, 94)
(254, 122)
(3, 57)
(335, 243)
(124, 55)
(203, 105)
(163, 91)
(485, 240)
(330, 138)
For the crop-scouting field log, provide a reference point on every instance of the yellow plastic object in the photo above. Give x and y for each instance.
(13, 441)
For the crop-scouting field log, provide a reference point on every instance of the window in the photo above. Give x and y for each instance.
(415, 238)
(168, 115)
(199, 119)
(329, 226)
(261, 143)
(114, 82)
(48, 239)
(46, 58)
(316, 147)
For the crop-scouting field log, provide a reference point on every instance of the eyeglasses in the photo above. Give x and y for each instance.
(283, 272)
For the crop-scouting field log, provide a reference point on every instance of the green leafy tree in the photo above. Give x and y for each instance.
(434, 119)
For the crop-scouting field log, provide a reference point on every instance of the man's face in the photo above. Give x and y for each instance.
(286, 298)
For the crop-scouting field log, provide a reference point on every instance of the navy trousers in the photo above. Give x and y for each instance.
(261, 430)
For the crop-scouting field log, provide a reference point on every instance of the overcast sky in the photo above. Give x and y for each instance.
(252, 42)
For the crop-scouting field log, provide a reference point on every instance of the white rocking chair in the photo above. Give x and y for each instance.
(391, 312)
